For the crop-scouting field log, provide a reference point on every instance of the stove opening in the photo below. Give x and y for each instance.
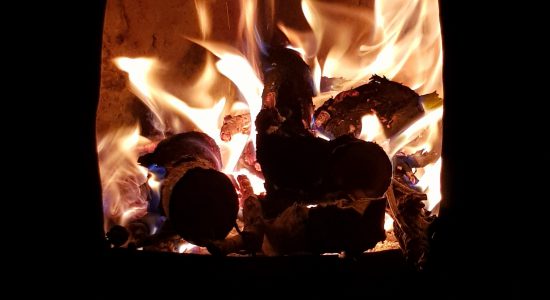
(271, 127)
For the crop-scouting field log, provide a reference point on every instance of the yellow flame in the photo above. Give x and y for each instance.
(121, 176)
(388, 222)
(400, 39)
(204, 21)
(430, 182)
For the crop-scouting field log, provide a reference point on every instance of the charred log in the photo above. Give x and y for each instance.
(200, 201)
(395, 105)
(346, 225)
(288, 88)
(411, 222)
(357, 165)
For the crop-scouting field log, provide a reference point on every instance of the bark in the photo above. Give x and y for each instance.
(395, 105)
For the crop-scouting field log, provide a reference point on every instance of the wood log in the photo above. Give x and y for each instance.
(411, 222)
(395, 105)
(353, 226)
(357, 165)
(288, 87)
(199, 200)
(250, 238)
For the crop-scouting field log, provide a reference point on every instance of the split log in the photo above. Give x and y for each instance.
(357, 165)
(288, 88)
(395, 105)
(297, 166)
(411, 222)
(233, 125)
(199, 200)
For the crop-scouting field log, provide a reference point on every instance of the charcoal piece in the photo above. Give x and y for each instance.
(395, 105)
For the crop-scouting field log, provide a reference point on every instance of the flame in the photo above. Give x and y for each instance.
(388, 222)
(256, 182)
(400, 39)
(186, 247)
(372, 129)
(204, 22)
(430, 183)
(121, 177)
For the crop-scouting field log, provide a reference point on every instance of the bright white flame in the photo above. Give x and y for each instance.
(186, 247)
(371, 129)
(430, 183)
(388, 222)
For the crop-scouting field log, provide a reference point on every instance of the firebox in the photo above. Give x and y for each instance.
(242, 140)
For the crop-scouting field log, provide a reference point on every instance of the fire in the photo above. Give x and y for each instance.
(371, 129)
(398, 39)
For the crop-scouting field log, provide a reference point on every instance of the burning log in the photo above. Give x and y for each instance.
(411, 223)
(291, 158)
(233, 125)
(395, 105)
(346, 225)
(200, 201)
(288, 88)
(356, 165)
(297, 166)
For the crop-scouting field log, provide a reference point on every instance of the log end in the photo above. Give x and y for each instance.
(203, 206)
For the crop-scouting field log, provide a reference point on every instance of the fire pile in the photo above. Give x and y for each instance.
(319, 160)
